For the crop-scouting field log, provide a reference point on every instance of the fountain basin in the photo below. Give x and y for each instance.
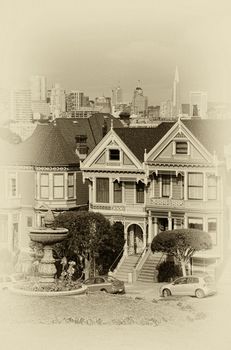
(48, 236)
(80, 291)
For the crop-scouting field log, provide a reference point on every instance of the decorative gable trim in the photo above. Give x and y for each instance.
(178, 130)
(108, 142)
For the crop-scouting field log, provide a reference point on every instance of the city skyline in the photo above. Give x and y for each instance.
(105, 44)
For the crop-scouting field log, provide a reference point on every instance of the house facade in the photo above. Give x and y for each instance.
(157, 179)
(44, 171)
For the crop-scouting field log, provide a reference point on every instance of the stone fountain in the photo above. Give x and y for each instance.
(48, 236)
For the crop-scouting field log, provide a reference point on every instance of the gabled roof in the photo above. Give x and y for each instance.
(213, 134)
(139, 139)
(54, 144)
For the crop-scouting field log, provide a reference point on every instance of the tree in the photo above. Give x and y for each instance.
(90, 240)
(182, 244)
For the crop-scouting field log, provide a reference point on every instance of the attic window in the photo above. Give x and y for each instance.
(114, 154)
(181, 147)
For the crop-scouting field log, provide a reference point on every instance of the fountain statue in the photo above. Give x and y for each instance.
(48, 236)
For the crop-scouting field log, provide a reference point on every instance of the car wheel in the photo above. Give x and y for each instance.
(103, 290)
(199, 293)
(166, 293)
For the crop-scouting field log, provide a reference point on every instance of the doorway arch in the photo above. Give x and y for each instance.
(135, 239)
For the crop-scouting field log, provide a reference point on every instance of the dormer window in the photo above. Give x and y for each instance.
(181, 147)
(114, 155)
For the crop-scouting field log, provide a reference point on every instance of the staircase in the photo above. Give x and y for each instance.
(127, 267)
(148, 272)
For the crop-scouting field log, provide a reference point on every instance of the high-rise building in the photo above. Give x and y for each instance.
(176, 110)
(21, 105)
(198, 104)
(166, 110)
(117, 96)
(38, 88)
(139, 102)
(57, 101)
(74, 100)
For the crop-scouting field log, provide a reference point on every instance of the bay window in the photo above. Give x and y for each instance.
(70, 185)
(212, 188)
(195, 223)
(44, 186)
(195, 186)
(102, 190)
(140, 192)
(165, 185)
(58, 186)
(117, 192)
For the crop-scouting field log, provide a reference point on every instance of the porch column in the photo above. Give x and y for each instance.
(126, 242)
(149, 227)
(169, 221)
(156, 226)
(145, 235)
(185, 186)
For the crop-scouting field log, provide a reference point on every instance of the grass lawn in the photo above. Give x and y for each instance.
(96, 309)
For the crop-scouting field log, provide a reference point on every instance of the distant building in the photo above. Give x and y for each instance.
(57, 101)
(185, 109)
(38, 88)
(166, 110)
(198, 104)
(103, 104)
(74, 101)
(176, 95)
(117, 96)
(154, 112)
(21, 105)
(139, 102)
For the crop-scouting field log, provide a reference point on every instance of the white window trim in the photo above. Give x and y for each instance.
(174, 147)
(108, 160)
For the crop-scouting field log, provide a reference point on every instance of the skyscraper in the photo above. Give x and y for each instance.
(21, 105)
(198, 104)
(57, 101)
(139, 102)
(117, 96)
(176, 95)
(38, 88)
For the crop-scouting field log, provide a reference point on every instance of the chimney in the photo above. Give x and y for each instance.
(81, 146)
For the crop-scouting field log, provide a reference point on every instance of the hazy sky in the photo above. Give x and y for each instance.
(93, 45)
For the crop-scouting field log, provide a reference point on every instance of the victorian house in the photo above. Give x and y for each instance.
(44, 171)
(155, 179)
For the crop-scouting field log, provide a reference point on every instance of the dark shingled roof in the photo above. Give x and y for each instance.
(54, 144)
(213, 134)
(139, 139)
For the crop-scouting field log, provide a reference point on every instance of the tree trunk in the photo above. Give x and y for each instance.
(183, 267)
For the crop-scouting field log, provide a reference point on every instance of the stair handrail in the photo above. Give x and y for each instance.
(143, 253)
(160, 260)
(119, 255)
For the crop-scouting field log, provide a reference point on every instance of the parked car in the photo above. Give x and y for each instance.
(199, 286)
(106, 284)
(8, 280)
